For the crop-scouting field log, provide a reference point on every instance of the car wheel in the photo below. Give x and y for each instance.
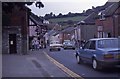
(58, 49)
(50, 49)
(95, 64)
(78, 59)
(73, 48)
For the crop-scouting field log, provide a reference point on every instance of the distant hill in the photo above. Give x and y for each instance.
(75, 17)
(65, 19)
(72, 18)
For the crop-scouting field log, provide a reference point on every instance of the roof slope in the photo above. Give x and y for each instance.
(37, 20)
(68, 30)
(111, 9)
(90, 19)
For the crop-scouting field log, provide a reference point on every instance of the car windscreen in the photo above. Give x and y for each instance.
(55, 42)
(108, 43)
(68, 42)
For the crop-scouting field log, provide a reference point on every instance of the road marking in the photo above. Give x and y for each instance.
(62, 67)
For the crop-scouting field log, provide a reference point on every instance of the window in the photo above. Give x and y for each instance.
(109, 35)
(101, 15)
(92, 45)
(110, 43)
(86, 46)
(100, 34)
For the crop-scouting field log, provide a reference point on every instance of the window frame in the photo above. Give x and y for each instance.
(92, 48)
(84, 47)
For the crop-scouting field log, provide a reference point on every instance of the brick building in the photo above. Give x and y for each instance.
(37, 29)
(86, 29)
(107, 23)
(67, 34)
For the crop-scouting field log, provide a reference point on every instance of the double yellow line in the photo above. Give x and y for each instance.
(62, 67)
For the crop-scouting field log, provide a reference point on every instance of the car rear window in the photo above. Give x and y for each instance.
(109, 43)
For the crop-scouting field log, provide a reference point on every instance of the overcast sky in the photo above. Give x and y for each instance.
(65, 6)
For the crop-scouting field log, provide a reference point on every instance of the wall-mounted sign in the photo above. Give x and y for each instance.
(100, 28)
(11, 42)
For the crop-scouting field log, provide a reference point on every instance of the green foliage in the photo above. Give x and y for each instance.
(76, 18)
(67, 21)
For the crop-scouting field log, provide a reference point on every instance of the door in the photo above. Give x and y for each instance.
(12, 44)
(88, 51)
(85, 51)
(91, 51)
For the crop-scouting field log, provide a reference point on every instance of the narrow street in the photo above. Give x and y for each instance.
(29, 34)
(36, 64)
(67, 58)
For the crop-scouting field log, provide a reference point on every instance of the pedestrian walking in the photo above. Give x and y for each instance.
(36, 44)
(33, 47)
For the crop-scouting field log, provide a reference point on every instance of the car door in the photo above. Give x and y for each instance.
(88, 51)
(91, 51)
(84, 51)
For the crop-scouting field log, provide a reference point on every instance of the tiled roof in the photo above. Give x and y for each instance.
(111, 9)
(90, 19)
(68, 30)
(55, 32)
(36, 19)
(52, 32)
(98, 8)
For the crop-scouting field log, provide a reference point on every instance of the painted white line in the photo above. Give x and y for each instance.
(62, 67)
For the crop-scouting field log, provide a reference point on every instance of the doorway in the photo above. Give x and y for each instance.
(12, 44)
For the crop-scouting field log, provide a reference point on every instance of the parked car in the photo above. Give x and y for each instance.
(68, 45)
(100, 52)
(55, 45)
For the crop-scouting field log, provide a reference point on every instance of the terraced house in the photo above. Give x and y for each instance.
(37, 29)
(108, 21)
(102, 22)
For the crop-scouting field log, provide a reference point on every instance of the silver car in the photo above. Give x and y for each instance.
(68, 45)
(100, 52)
(55, 45)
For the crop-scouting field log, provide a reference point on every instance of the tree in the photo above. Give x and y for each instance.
(51, 14)
(69, 14)
(54, 16)
(60, 15)
(47, 16)
(83, 11)
(39, 4)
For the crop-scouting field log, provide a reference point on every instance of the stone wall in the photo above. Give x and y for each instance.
(0, 40)
(5, 37)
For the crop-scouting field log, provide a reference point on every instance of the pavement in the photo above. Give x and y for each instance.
(35, 64)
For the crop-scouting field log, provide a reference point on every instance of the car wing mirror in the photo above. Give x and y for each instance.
(81, 47)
